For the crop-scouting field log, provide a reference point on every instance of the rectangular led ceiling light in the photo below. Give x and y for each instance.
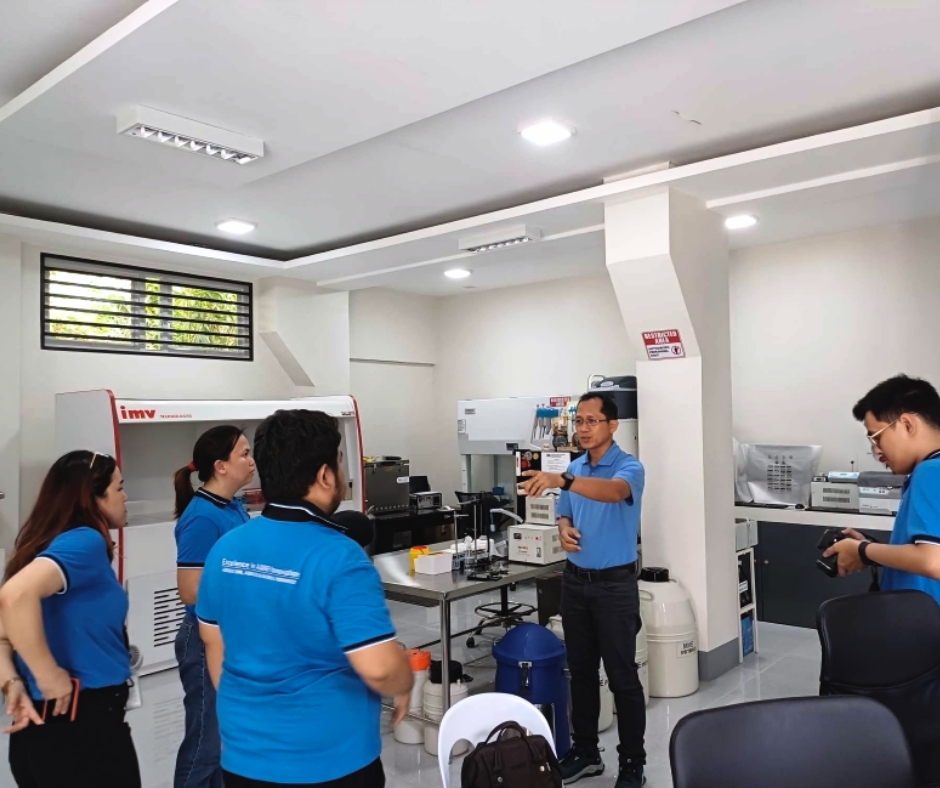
(188, 135)
(500, 239)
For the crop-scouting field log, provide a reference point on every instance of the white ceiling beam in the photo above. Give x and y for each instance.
(594, 228)
(54, 232)
(133, 21)
(830, 180)
(632, 188)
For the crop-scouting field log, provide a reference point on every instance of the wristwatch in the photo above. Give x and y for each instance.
(569, 480)
(863, 554)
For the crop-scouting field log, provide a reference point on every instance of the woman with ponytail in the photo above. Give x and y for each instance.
(63, 613)
(222, 461)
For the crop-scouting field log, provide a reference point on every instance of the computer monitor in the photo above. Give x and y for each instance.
(418, 484)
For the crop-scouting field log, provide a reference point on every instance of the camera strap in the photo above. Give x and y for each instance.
(875, 580)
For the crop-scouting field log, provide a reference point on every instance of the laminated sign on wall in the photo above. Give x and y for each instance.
(663, 344)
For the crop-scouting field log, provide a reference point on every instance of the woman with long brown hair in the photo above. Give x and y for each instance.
(63, 613)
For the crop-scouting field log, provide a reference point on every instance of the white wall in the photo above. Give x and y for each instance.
(46, 373)
(541, 339)
(306, 329)
(816, 323)
(388, 325)
(393, 348)
(9, 389)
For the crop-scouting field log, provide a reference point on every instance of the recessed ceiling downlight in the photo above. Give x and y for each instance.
(546, 132)
(236, 226)
(457, 273)
(740, 222)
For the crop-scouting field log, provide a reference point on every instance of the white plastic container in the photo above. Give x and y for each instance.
(434, 710)
(606, 718)
(410, 731)
(433, 564)
(671, 634)
(643, 660)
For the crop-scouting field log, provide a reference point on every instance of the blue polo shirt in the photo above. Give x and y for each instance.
(917, 522)
(84, 622)
(608, 530)
(293, 597)
(206, 520)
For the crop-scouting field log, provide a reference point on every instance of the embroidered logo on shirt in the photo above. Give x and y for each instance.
(260, 571)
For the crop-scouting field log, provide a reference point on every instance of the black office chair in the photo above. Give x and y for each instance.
(506, 613)
(887, 647)
(792, 743)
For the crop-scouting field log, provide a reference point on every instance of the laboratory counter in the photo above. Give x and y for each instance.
(790, 588)
(827, 518)
(442, 590)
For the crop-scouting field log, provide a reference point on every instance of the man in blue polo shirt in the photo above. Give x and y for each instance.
(599, 519)
(298, 638)
(902, 416)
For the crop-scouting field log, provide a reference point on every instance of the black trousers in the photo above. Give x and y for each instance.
(371, 776)
(96, 749)
(601, 615)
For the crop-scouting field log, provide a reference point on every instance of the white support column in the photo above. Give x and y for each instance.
(10, 322)
(668, 260)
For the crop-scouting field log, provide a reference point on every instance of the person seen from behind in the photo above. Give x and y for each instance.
(299, 641)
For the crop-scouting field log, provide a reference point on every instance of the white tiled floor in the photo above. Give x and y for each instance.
(788, 665)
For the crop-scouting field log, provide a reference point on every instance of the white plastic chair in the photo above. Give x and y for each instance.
(475, 718)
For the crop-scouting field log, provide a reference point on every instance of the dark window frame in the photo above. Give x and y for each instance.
(208, 282)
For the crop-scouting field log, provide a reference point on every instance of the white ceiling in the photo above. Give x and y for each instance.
(310, 79)
(381, 121)
(35, 38)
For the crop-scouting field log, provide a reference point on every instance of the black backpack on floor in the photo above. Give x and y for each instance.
(513, 760)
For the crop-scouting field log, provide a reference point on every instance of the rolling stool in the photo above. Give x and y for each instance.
(503, 614)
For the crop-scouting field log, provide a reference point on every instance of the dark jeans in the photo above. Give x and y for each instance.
(601, 616)
(372, 776)
(96, 749)
(198, 763)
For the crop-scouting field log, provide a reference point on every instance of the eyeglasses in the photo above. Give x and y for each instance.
(875, 437)
(590, 421)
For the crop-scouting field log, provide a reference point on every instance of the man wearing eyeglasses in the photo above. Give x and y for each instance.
(599, 519)
(902, 416)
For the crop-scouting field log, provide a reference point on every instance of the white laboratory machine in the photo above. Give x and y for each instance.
(490, 431)
(495, 435)
(151, 439)
(836, 490)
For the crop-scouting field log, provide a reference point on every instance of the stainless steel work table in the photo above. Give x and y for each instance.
(402, 586)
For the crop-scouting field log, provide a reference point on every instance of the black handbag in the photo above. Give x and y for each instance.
(513, 760)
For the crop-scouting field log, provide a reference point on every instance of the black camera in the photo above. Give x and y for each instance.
(829, 565)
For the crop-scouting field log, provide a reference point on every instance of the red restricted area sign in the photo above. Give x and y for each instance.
(663, 344)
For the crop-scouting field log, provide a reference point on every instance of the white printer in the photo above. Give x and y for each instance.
(868, 492)
(835, 490)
